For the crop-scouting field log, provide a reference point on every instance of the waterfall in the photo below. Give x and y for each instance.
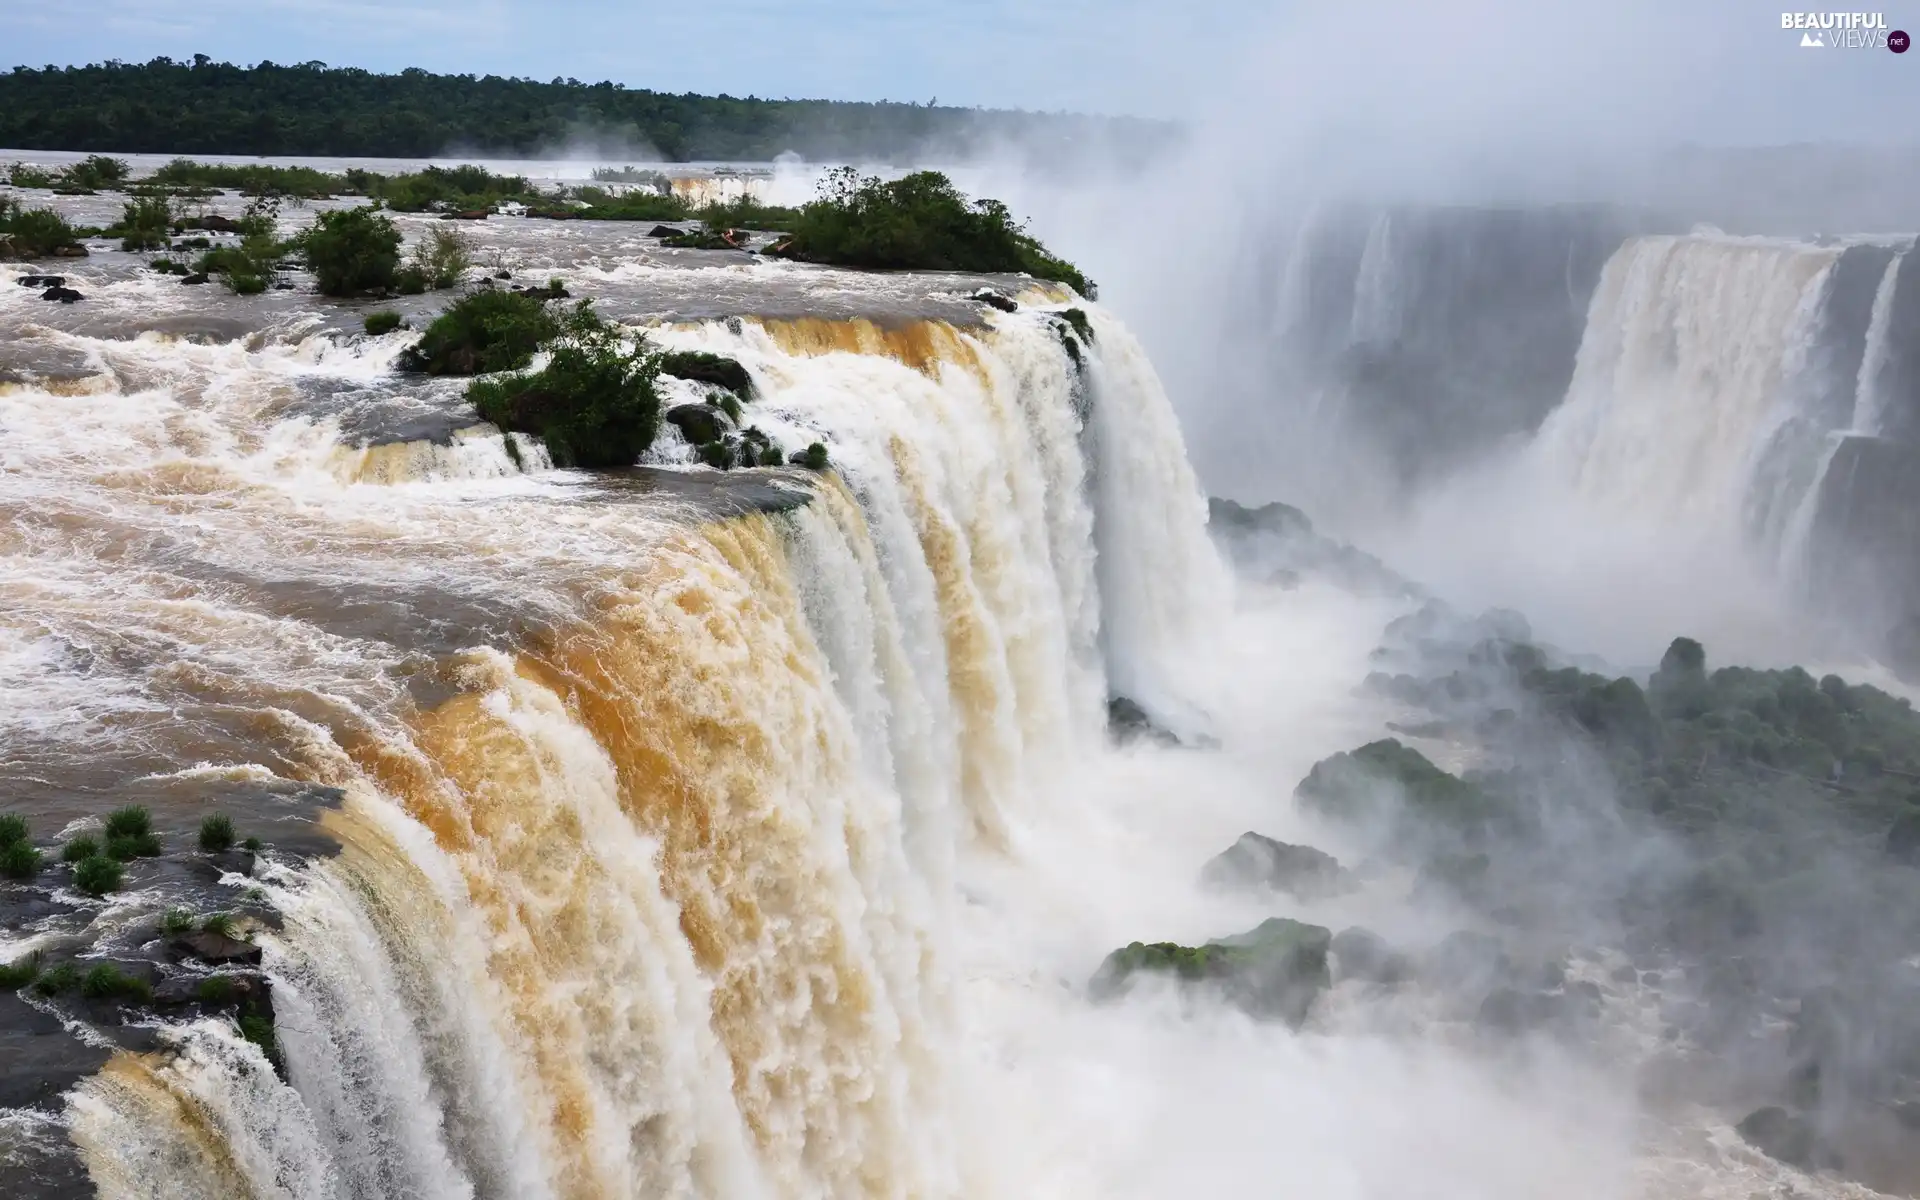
(1694, 355)
(1870, 411)
(648, 824)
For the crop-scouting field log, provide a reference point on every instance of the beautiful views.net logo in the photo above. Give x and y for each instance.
(1851, 31)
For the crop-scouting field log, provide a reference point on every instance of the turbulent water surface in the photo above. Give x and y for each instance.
(665, 833)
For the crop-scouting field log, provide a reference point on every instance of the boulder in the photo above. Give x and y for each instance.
(663, 231)
(1791, 1138)
(208, 946)
(993, 299)
(1128, 722)
(63, 295)
(212, 991)
(215, 223)
(1274, 971)
(195, 279)
(698, 423)
(42, 281)
(1363, 954)
(75, 250)
(476, 214)
(1259, 861)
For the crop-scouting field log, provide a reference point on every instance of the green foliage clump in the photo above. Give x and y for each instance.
(63, 978)
(702, 367)
(222, 924)
(27, 233)
(13, 828)
(108, 982)
(594, 404)
(488, 331)
(252, 845)
(1395, 787)
(98, 875)
(465, 188)
(19, 860)
(98, 171)
(257, 1028)
(814, 457)
(216, 833)
(252, 179)
(352, 251)
(130, 834)
(918, 222)
(19, 973)
(217, 989)
(144, 223)
(176, 921)
(442, 256)
(596, 204)
(26, 175)
(79, 849)
(383, 322)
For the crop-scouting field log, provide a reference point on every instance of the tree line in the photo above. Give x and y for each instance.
(206, 107)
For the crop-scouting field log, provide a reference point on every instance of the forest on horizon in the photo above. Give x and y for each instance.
(206, 107)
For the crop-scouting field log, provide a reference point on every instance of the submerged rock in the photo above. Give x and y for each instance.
(993, 299)
(63, 295)
(1256, 860)
(1274, 971)
(1791, 1138)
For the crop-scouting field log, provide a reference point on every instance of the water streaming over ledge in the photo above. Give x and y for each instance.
(649, 816)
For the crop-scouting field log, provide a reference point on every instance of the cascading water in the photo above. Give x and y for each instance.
(648, 833)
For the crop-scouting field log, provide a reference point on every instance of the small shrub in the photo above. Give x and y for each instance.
(410, 281)
(98, 875)
(108, 982)
(32, 232)
(130, 846)
(98, 171)
(63, 978)
(353, 251)
(770, 457)
(216, 989)
(19, 860)
(176, 921)
(252, 845)
(247, 268)
(19, 973)
(13, 828)
(383, 322)
(814, 457)
(485, 332)
(442, 256)
(79, 849)
(144, 222)
(216, 833)
(221, 924)
(131, 821)
(594, 403)
(261, 218)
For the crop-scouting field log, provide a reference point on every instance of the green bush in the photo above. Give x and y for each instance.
(442, 256)
(19, 973)
(222, 924)
(352, 251)
(487, 331)
(63, 978)
(108, 982)
(216, 833)
(144, 223)
(130, 846)
(248, 178)
(19, 860)
(252, 845)
(23, 175)
(918, 222)
(248, 268)
(79, 849)
(594, 404)
(176, 921)
(216, 989)
(814, 457)
(98, 171)
(130, 821)
(98, 875)
(32, 232)
(13, 828)
(383, 322)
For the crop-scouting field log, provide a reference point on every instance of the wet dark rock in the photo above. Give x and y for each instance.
(236, 862)
(214, 223)
(663, 231)
(1274, 971)
(39, 1059)
(503, 273)
(1276, 544)
(1259, 861)
(1360, 953)
(993, 299)
(211, 992)
(63, 295)
(73, 251)
(473, 214)
(209, 946)
(195, 279)
(1791, 1138)
(1128, 722)
(698, 423)
(42, 281)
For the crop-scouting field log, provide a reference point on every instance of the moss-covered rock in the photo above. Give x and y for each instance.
(700, 424)
(716, 369)
(1274, 971)
(1392, 787)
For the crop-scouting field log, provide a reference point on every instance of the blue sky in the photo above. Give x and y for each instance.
(1714, 70)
